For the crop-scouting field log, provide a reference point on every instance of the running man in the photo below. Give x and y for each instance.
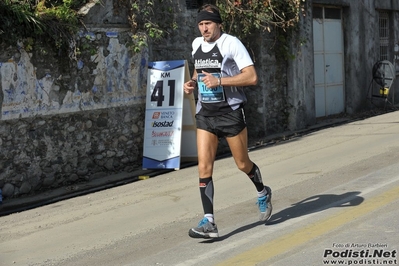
(222, 68)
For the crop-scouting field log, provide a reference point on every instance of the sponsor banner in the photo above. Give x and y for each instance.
(163, 117)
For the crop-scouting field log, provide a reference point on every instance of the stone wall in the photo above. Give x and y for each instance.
(68, 121)
(43, 152)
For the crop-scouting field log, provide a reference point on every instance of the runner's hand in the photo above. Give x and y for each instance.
(189, 86)
(210, 80)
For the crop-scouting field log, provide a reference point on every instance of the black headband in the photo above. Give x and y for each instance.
(206, 15)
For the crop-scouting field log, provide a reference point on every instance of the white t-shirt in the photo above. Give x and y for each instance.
(235, 55)
(234, 58)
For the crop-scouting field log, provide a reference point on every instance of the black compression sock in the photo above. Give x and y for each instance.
(207, 192)
(256, 178)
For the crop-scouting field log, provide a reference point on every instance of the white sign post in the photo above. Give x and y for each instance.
(164, 115)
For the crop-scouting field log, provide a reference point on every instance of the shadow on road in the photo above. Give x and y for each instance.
(316, 204)
(237, 231)
(307, 206)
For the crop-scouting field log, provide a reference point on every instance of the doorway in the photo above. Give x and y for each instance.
(328, 61)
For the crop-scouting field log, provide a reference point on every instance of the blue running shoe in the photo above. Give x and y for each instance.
(265, 205)
(205, 229)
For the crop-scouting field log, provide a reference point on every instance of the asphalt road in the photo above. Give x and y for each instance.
(335, 201)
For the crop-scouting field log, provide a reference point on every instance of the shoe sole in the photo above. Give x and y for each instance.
(194, 234)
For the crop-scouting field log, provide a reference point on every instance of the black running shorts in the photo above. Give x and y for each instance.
(227, 125)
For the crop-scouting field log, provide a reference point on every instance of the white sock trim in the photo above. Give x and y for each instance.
(262, 193)
(210, 218)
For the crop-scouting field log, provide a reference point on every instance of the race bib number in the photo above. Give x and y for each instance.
(210, 95)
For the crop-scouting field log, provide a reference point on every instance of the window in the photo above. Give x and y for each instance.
(329, 13)
(384, 35)
(332, 13)
(317, 12)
